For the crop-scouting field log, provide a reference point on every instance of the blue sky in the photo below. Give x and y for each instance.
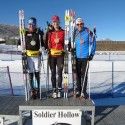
(107, 15)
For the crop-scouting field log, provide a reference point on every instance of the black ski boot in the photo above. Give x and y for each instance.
(78, 93)
(38, 93)
(33, 94)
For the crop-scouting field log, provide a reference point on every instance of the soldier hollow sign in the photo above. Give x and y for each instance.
(57, 117)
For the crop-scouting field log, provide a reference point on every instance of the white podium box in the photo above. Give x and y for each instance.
(52, 107)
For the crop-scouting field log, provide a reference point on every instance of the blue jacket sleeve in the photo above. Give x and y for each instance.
(93, 46)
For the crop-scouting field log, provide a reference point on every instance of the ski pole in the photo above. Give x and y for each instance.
(89, 82)
(25, 79)
(41, 60)
(47, 76)
(85, 75)
(40, 91)
(90, 49)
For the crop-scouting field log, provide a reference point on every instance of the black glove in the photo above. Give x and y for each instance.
(63, 53)
(48, 51)
(90, 57)
(49, 27)
(24, 54)
(40, 53)
(24, 57)
(73, 51)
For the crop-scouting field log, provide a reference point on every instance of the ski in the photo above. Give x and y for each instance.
(24, 62)
(48, 63)
(73, 60)
(67, 35)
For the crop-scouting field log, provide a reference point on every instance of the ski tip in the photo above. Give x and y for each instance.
(94, 27)
(21, 14)
(65, 12)
(21, 10)
(68, 12)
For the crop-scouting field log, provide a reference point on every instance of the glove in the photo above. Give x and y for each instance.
(40, 53)
(49, 27)
(90, 57)
(73, 51)
(24, 53)
(46, 52)
(24, 56)
(63, 53)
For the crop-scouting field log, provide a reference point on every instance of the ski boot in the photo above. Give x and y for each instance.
(77, 94)
(33, 94)
(37, 93)
(59, 94)
(84, 95)
(54, 94)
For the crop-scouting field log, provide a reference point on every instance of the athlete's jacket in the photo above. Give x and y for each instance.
(85, 44)
(34, 40)
(55, 42)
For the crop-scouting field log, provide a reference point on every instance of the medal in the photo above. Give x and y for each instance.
(33, 43)
(81, 39)
(56, 40)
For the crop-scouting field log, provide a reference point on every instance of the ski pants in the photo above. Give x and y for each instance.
(56, 62)
(34, 64)
(81, 65)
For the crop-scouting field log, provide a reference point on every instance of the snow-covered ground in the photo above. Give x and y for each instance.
(102, 78)
(106, 77)
(107, 72)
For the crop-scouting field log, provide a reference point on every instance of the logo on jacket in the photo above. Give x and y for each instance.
(33, 43)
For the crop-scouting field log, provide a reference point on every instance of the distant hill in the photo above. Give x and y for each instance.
(10, 31)
(7, 31)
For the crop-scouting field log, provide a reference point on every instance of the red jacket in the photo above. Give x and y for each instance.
(56, 39)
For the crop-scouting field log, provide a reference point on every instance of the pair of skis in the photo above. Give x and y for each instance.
(69, 28)
(24, 58)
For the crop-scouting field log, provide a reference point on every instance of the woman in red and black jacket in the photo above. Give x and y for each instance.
(55, 45)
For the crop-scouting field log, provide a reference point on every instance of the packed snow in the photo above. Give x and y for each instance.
(106, 74)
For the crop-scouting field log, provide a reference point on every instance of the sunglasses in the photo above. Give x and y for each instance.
(80, 24)
(30, 24)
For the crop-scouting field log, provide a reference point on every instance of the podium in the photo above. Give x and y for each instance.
(58, 104)
(16, 105)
